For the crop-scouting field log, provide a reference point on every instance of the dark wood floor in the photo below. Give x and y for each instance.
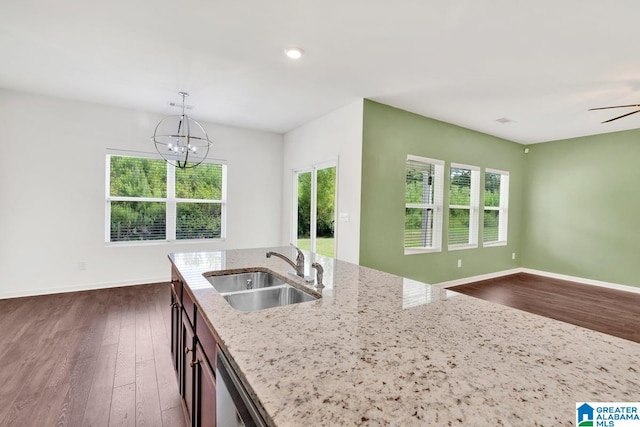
(606, 310)
(94, 358)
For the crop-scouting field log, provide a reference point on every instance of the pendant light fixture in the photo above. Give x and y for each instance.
(180, 140)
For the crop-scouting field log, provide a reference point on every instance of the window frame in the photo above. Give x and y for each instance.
(503, 208)
(473, 207)
(171, 202)
(436, 206)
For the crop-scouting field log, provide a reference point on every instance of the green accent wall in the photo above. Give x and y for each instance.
(582, 207)
(389, 134)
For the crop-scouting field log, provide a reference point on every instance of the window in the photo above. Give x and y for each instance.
(464, 189)
(149, 199)
(423, 205)
(496, 204)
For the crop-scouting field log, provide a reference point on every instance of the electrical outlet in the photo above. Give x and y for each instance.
(459, 263)
(513, 255)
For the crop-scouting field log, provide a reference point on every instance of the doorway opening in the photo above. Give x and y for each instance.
(315, 209)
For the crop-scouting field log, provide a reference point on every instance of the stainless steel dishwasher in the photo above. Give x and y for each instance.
(234, 407)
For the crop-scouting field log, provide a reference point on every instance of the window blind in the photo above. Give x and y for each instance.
(423, 203)
(496, 200)
(463, 206)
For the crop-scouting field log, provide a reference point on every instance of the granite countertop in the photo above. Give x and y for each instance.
(378, 349)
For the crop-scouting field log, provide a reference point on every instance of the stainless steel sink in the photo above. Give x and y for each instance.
(244, 281)
(261, 299)
(257, 290)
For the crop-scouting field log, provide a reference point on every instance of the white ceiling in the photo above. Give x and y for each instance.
(539, 63)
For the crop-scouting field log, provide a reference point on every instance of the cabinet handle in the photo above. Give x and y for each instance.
(186, 350)
(193, 363)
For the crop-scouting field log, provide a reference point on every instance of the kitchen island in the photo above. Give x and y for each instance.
(379, 349)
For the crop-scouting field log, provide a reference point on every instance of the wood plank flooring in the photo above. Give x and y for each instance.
(601, 309)
(93, 358)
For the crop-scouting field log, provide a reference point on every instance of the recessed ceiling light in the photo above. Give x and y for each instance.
(294, 52)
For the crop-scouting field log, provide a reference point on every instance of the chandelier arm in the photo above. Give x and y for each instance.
(180, 125)
(186, 156)
(188, 128)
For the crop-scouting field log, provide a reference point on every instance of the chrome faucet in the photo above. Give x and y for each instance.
(299, 264)
(319, 273)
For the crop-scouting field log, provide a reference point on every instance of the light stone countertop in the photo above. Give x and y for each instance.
(378, 349)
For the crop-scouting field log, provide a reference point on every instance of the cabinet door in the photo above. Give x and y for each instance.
(188, 364)
(206, 340)
(176, 329)
(189, 308)
(205, 391)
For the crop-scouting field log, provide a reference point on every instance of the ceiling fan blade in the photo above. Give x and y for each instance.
(619, 117)
(615, 106)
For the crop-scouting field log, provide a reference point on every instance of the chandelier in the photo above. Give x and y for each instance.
(180, 140)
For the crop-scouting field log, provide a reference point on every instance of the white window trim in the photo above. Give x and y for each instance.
(503, 209)
(473, 207)
(437, 206)
(171, 202)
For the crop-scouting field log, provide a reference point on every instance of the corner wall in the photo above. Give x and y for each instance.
(334, 137)
(389, 134)
(581, 207)
(52, 183)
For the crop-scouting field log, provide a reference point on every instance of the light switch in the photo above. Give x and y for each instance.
(344, 216)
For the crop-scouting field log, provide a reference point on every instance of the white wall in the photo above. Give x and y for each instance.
(52, 180)
(334, 137)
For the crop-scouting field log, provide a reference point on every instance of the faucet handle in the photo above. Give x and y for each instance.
(300, 255)
(294, 246)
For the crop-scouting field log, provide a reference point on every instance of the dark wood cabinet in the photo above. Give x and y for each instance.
(176, 329)
(205, 402)
(188, 361)
(193, 349)
(207, 341)
(188, 307)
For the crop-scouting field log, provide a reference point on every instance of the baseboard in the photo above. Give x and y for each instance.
(609, 285)
(465, 280)
(79, 287)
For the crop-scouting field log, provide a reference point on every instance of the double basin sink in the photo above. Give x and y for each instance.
(257, 290)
